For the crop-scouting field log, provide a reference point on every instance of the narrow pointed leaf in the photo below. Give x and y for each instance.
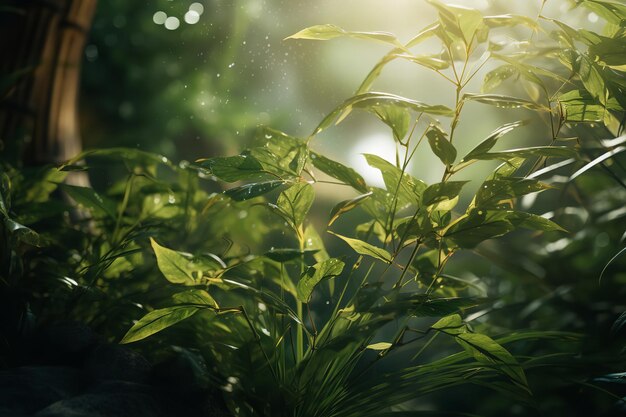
(369, 101)
(491, 140)
(505, 102)
(379, 346)
(157, 320)
(364, 248)
(248, 191)
(488, 351)
(315, 274)
(176, 267)
(345, 206)
(89, 198)
(339, 171)
(440, 145)
(442, 191)
(195, 296)
(234, 168)
(296, 201)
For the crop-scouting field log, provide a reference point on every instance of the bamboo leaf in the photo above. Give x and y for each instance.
(248, 191)
(488, 351)
(496, 76)
(157, 320)
(364, 248)
(478, 226)
(409, 189)
(440, 145)
(339, 171)
(324, 270)
(296, 201)
(458, 21)
(328, 31)
(491, 140)
(369, 101)
(442, 191)
(195, 296)
(396, 117)
(176, 267)
(234, 168)
(505, 102)
(345, 206)
(510, 20)
(379, 346)
(89, 198)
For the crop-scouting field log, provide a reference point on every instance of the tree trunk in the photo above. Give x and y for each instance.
(41, 115)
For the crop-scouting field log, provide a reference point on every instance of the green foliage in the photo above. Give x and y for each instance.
(295, 328)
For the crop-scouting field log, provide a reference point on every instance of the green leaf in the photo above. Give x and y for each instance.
(508, 20)
(195, 296)
(452, 324)
(458, 21)
(409, 189)
(157, 320)
(234, 168)
(488, 351)
(496, 76)
(612, 11)
(547, 151)
(590, 74)
(339, 171)
(442, 191)
(505, 102)
(396, 117)
(364, 248)
(369, 101)
(296, 201)
(89, 198)
(580, 107)
(379, 346)
(493, 191)
(279, 153)
(426, 33)
(440, 145)
(486, 145)
(609, 51)
(324, 270)
(478, 226)
(433, 62)
(22, 233)
(326, 32)
(176, 267)
(319, 32)
(248, 191)
(533, 222)
(345, 206)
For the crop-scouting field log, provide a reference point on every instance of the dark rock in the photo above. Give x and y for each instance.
(64, 343)
(108, 361)
(183, 370)
(105, 405)
(29, 389)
